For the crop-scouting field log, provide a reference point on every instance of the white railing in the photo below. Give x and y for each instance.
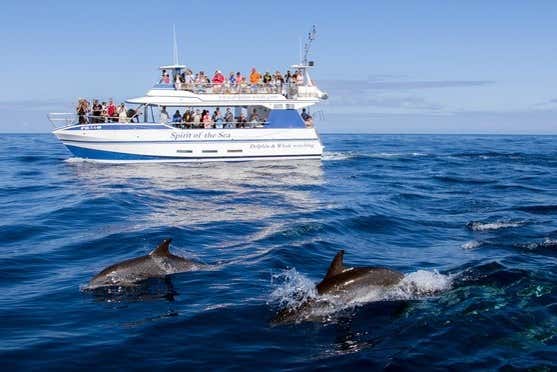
(286, 89)
(62, 119)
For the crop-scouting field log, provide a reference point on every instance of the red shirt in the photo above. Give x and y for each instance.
(111, 110)
(218, 78)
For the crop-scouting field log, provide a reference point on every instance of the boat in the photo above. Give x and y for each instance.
(264, 121)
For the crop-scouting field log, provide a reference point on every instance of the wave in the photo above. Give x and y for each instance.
(331, 156)
(547, 244)
(496, 225)
(538, 209)
(380, 155)
(472, 244)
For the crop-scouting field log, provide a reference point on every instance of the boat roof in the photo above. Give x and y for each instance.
(172, 67)
(187, 99)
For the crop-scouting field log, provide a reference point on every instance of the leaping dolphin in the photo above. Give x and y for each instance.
(341, 281)
(157, 264)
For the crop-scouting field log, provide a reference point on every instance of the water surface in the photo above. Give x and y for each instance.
(470, 220)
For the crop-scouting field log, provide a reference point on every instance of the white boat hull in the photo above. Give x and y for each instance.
(113, 143)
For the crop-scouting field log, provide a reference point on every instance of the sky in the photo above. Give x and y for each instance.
(391, 66)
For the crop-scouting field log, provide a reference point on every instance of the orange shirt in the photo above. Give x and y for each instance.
(254, 77)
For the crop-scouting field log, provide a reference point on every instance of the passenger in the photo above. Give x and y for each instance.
(240, 83)
(97, 111)
(122, 114)
(218, 81)
(104, 114)
(217, 118)
(228, 118)
(111, 110)
(278, 77)
(81, 110)
(218, 78)
(177, 117)
(287, 77)
(187, 118)
(196, 119)
(163, 74)
(299, 77)
(254, 119)
(267, 78)
(308, 120)
(188, 80)
(206, 119)
(164, 115)
(254, 78)
(133, 115)
(242, 121)
(305, 115)
(232, 79)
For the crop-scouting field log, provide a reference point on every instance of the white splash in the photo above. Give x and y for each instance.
(294, 289)
(328, 156)
(472, 244)
(487, 226)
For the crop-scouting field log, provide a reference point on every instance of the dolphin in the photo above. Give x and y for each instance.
(341, 283)
(157, 264)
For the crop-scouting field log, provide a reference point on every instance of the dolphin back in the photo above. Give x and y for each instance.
(159, 263)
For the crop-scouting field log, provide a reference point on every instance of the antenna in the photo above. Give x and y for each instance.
(311, 36)
(175, 50)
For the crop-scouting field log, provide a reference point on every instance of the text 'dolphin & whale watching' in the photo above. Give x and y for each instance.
(196, 116)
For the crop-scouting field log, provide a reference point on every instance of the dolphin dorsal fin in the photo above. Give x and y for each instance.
(162, 249)
(337, 265)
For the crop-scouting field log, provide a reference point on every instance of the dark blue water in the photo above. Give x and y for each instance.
(470, 220)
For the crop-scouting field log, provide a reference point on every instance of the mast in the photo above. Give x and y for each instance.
(311, 36)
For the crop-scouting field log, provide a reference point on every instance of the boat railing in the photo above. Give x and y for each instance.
(285, 89)
(219, 124)
(62, 119)
(65, 119)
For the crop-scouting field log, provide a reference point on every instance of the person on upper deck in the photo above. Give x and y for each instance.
(287, 77)
(279, 80)
(254, 77)
(299, 77)
(218, 78)
(267, 78)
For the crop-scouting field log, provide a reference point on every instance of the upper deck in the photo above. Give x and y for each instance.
(178, 86)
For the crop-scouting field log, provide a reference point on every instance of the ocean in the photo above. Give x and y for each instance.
(470, 221)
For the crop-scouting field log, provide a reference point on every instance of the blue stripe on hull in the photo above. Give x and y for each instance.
(86, 153)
